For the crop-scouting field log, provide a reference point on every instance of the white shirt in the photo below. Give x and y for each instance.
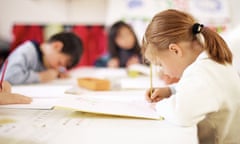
(208, 94)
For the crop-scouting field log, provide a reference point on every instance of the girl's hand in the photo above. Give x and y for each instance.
(158, 94)
(113, 63)
(12, 98)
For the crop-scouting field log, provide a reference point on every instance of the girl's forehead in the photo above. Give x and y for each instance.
(123, 29)
(151, 58)
(153, 54)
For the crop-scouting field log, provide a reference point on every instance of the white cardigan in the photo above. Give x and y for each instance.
(208, 94)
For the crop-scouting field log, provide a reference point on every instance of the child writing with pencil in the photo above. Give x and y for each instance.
(35, 63)
(208, 92)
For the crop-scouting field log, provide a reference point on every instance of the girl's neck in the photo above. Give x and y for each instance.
(197, 49)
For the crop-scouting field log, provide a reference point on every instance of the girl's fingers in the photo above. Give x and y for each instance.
(151, 97)
(148, 96)
(157, 99)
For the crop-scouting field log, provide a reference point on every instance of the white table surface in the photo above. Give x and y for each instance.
(61, 126)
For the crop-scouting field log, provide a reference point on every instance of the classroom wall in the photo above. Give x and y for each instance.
(49, 11)
(234, 11)
(67, 11)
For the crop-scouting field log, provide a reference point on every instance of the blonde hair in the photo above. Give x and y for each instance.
(173, 26)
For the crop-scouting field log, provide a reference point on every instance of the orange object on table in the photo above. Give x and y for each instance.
(94, 83)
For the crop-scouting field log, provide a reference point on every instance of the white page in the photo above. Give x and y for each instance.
(109, 102)
(131, 107)
(41, 90)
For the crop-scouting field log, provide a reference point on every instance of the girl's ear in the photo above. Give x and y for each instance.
(175, 49)
(57, 45)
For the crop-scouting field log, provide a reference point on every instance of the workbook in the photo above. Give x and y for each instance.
(118, 103)
(125, 108)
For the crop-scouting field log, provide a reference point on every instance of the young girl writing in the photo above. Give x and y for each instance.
(123, 46)
(208, 92)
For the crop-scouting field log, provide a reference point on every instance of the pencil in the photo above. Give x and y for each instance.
(3, 72)
(151, 88)
(62, 69)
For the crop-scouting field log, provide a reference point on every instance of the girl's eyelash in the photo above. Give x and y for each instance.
(146, 61)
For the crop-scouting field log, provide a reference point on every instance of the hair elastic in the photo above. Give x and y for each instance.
(197, 28)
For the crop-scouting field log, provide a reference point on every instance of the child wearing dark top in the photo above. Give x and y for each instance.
(123, 46)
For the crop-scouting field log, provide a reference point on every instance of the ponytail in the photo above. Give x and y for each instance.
(216, 47)
(173, 26)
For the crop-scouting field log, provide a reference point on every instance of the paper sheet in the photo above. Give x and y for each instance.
(120, 103)
(128, 107)
(41, 90)
(37, 103)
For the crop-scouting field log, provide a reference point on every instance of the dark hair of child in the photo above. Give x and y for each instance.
(72, 45)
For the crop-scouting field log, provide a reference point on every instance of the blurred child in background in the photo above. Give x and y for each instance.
(35, 63)
(123, 47)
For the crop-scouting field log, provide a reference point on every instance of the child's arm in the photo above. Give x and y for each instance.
(48, 75)
(23, 64)
(133, 60)
(19, 71)
(194, 98)
(113, 63)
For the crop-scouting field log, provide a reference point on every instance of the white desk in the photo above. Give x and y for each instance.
(60, 126)
(65, 126)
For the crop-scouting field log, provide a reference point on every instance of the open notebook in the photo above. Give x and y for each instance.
(125, 108)
(119, 103)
